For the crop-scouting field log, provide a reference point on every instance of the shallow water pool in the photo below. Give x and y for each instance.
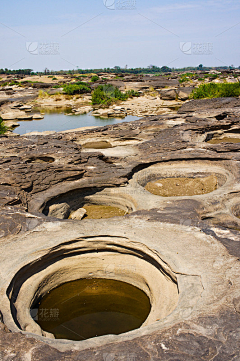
(57, 120)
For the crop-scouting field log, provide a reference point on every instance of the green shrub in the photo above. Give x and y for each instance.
(186, 77)
(43, 94)
(76, 88)
(13, 82)
(213, 90)
(108, 94)
(213, 76)
(3, 128)
(94, 78)
(132, 93)
(54, 78)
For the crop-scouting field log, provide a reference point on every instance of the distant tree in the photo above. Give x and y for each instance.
(166, 69)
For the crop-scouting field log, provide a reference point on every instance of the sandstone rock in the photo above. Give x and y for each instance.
(232, 80)
(204, 104)
(78, 214)
(38, 170)
(12, 115)
(168, 94)
(182, 95)
(82, 110)
(26, 108)
(25, 117)
(11, 123)
(60, 210)
(37, 116)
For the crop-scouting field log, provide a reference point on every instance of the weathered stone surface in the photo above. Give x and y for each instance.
(38, 171)
(168, 94)
(190, 335)
(37, 116)
(59, 210)
(182, 95)
(204, 104)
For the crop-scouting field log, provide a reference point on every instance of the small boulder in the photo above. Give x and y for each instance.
(59, 210)
(78, 214)
(168, 94)
(182, 96)
(27, 108)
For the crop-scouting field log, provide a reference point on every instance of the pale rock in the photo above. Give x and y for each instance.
(59, 210)
(78, 214)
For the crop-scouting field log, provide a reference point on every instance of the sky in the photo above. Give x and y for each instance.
(72, 34)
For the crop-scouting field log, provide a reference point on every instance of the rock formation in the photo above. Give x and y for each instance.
(45, 178)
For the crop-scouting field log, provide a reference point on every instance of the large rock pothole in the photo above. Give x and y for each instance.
(167, 262)
(89, 203)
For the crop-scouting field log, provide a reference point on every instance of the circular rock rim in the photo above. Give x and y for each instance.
(72, 201)
(181, 169)
(91, 258)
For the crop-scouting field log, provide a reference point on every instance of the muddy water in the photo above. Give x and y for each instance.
(173, 187)
(87, 308)
(224, 140)
(102, 211)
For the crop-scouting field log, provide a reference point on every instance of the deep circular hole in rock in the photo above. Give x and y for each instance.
(92, 287)
(176, 181)
(174, 187)
(89, 203)
(87, 308)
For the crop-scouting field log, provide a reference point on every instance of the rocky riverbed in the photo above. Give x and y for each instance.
(194, 235)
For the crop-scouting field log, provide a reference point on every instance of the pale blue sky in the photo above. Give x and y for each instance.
(89, 35)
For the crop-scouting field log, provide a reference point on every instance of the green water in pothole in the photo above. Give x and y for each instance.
(86, 308)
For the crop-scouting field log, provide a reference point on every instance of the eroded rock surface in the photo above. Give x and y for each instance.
(40, 172)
